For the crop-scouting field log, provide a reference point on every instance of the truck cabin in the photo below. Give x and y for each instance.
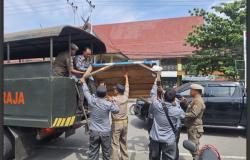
(33, 97)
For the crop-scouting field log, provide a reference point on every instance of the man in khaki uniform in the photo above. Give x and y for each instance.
(120, 122)
(193, 116)
(62, 65)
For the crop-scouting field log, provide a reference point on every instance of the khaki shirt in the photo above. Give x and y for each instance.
(122, 102)
(62, 65)
(194, 113)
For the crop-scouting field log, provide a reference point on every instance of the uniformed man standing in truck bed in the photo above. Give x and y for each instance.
(194, 114)
(120, 122)
(62, 66)
(83, 63)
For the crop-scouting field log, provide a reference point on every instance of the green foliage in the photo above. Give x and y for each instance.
(219, 41)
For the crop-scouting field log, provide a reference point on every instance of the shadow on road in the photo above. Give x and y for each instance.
(225, 132)
(140, 124)
(222, 132)
(55, 150)
(54, 154)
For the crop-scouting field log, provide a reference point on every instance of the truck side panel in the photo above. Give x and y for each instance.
(27, 70)
(32, 98)
(27, 102)
(64, 97)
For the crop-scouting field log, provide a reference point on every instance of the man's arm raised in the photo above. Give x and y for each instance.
(126, 84)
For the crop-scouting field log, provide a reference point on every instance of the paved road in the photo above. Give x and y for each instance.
(231, 144)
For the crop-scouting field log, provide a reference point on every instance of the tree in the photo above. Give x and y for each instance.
(219, 41)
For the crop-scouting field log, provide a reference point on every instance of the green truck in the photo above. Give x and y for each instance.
(36, 104)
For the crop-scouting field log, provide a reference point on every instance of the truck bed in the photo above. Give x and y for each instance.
(41, 102)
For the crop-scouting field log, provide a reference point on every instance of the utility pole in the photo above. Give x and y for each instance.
(74, 8)
(245, 58)
(92, 6)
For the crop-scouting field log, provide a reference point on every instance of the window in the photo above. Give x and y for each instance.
(221, 91)
(185, 93)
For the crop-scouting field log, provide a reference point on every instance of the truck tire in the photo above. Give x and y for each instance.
(7, 150)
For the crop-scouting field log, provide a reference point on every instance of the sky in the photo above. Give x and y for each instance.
(34, 14)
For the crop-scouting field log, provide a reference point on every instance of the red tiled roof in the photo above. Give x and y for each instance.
(162, 38)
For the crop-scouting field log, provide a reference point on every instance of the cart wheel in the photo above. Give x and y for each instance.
(7, 150)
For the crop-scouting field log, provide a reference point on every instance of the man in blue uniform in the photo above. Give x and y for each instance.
(100, 128)
(83, 63)
(162, 136)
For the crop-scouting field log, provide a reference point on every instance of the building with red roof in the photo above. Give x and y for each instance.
(153, 39)
(162, 40)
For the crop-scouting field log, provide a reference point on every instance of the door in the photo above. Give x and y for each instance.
(221, 107)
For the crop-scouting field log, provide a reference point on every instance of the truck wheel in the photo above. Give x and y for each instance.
(7, 150)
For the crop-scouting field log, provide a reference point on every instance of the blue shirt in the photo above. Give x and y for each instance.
(178, 125)
(100, 109)
(81, 63)
(161, 130)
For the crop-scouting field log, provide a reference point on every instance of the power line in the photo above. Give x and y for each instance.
(47, 3)
(183, 3)
(91, 7)
(74, 8)
(44, 7)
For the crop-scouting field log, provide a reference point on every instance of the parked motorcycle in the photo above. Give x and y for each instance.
(207, 152)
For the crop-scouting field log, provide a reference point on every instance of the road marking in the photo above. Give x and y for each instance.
(133, 151)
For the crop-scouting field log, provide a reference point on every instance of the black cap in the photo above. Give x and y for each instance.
(120, 88)
(170, 96)
(101, 91)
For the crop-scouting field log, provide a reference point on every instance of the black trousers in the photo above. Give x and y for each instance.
(163, 151)
(81, 98)
(96, 141)
(91, 85)
(177, 141)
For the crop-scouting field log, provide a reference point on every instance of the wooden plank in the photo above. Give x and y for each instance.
(99, 70)
(132, 87)
(134, 81)
(141, 78)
